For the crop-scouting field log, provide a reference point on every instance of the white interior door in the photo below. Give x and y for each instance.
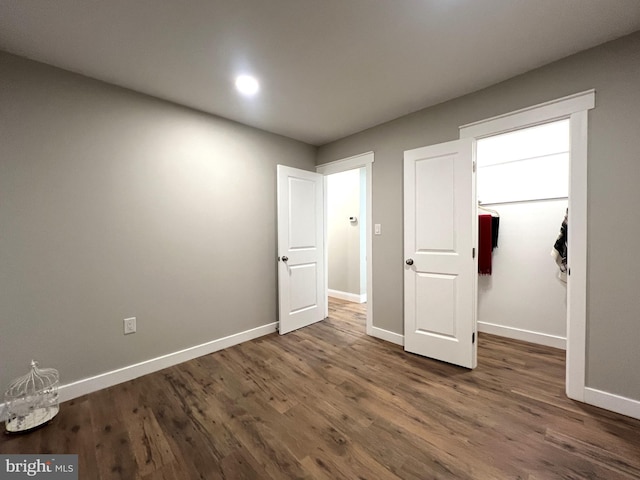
(439, 243)
(301, 285)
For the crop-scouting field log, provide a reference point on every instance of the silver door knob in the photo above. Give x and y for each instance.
(285, 258)
(409, 261)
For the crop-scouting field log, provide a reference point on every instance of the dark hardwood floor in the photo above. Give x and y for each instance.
(328, 402)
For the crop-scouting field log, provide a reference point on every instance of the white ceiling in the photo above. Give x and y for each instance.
(328, 68)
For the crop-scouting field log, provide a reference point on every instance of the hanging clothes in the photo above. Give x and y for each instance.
(560, 248)
(495, 226)
(485, 242)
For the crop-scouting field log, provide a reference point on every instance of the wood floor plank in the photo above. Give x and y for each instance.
(329, 402)
(325, 465)
(172, 471)
(77, 437)
(256, 435)
(198, 443)
(240, 465)
(611, 460)
(148, 441)
(114, 455)
(257, 372)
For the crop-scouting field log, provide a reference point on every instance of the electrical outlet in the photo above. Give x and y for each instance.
(129, 325)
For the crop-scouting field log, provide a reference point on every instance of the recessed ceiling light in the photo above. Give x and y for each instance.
(247, 85)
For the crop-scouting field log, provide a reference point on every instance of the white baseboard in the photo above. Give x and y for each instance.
(108, 379)
(349, 297)
(387, 336)
(612, 402)
(525, 335)
(114, 377)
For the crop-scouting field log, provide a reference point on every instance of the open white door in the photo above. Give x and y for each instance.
(439, 243)
(301, 286)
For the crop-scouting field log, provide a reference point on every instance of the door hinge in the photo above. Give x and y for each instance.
(474, 166)
(473, 252)
(473, 337)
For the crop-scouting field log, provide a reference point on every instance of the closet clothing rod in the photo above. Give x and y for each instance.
(506, 202)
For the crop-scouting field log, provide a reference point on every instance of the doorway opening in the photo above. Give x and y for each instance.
(346, 258)
(575, 108)
(348, 239)
(346, 235)
(522, 183)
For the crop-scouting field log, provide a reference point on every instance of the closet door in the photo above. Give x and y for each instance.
(439, 243)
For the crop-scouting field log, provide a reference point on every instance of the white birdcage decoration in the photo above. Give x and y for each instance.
(32, 400)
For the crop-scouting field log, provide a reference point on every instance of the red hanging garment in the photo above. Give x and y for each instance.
(484, 244)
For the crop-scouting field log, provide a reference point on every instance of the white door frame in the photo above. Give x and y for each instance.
(363, 160)
(574, 107)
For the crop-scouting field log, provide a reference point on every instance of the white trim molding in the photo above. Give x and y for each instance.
(524, 335)
(350, 163)
(387, 336)
(114, 377)
(577, 260)
(537, 114)
(615, 403)
(574, 107)
(349, 297)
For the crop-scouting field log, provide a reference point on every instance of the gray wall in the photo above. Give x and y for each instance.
(613, 303)
(114, 204)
